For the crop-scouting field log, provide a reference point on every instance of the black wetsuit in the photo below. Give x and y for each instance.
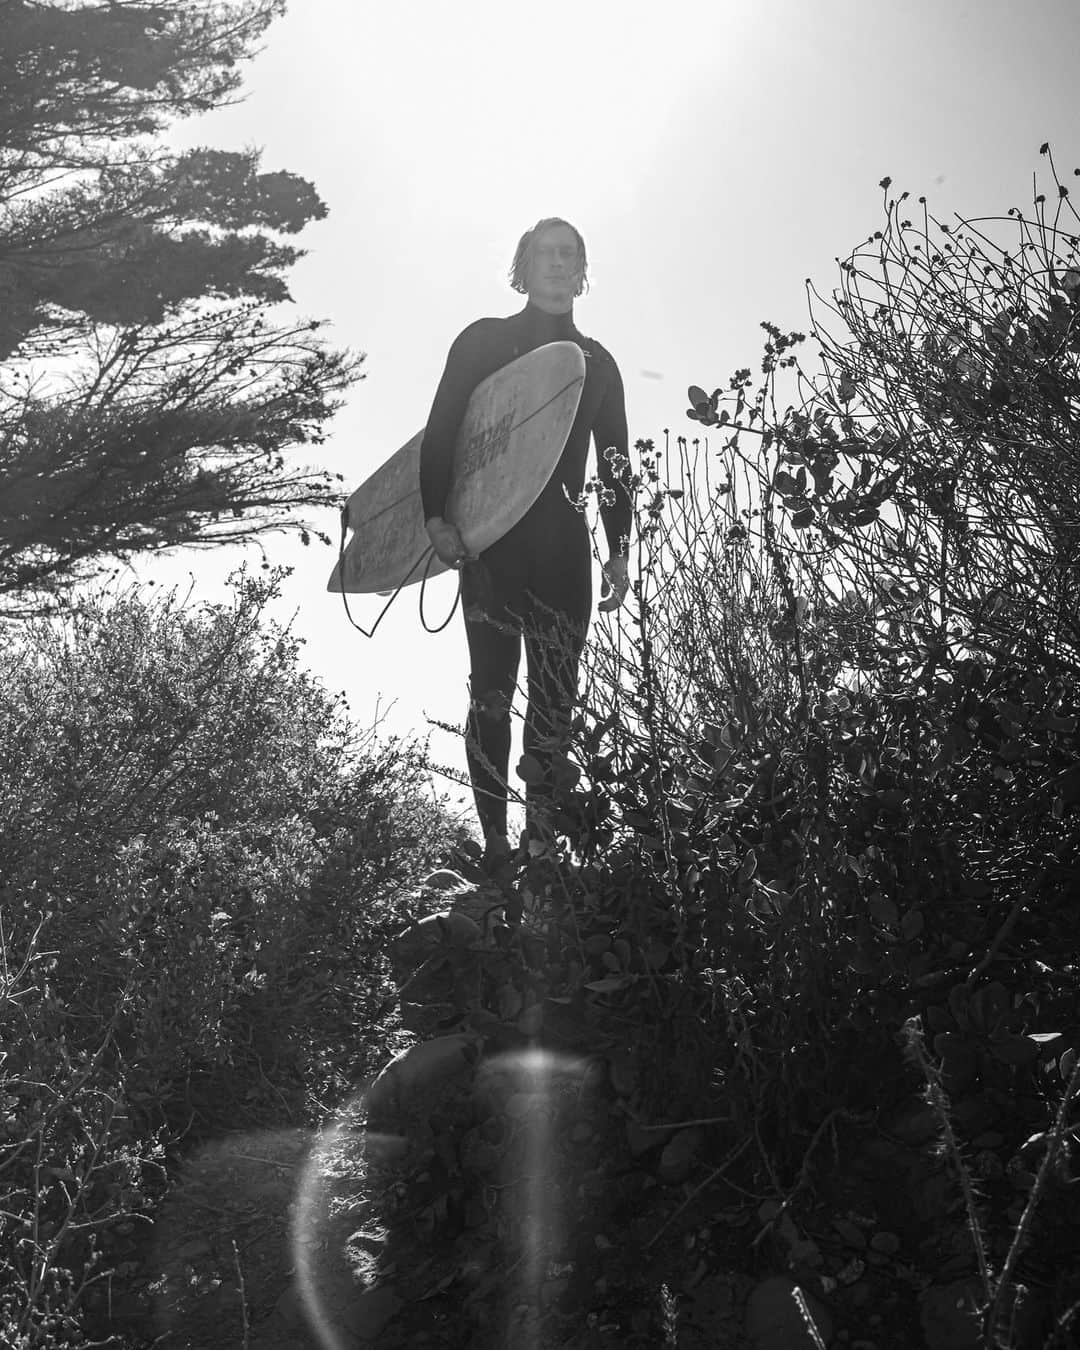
(536, 581)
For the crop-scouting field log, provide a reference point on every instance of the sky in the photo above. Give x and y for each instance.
(714, 155)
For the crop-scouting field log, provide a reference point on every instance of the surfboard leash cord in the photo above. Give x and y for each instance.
(425, 559)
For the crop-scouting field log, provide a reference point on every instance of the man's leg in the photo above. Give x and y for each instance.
(494, 639)
(555, 632)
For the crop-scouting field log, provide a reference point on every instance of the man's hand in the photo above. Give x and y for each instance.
(446, 541)
(615, 584)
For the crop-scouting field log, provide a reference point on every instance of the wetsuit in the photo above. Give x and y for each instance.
(536, 580)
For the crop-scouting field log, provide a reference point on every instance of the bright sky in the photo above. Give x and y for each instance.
(714, 155)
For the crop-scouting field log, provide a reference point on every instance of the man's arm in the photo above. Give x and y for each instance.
(613, 469)
(460, 377)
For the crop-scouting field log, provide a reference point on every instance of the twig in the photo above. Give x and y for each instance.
(808, 1318)
(243, 1296)
(1023, 1227)
(1061, 1325)
(939, 1103)
(1007, 926)
(716, 1172)
(270, 1162)
(686, 1124)
(801, 1179)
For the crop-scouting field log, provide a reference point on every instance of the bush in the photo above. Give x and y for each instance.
(824, 778)
(202, 860)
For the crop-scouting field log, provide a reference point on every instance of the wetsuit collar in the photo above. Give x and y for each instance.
(548, 327)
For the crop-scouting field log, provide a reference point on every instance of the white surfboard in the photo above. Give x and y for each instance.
(511, 437)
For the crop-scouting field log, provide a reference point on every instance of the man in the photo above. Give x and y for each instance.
(536, 581)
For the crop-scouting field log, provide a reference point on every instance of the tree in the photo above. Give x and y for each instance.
(148, 394)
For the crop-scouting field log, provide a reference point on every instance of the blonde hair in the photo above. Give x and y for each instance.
(519, 271)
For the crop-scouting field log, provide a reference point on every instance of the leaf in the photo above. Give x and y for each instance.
(1015, 1050)
(958, 1004)
(949, 1043)
(987, 1007)
(747, 868)
(610, 983)
(656, 953)
(530, 770)
(883, 910)
(912, 924)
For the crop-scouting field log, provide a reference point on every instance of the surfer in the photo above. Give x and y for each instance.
(536, 581)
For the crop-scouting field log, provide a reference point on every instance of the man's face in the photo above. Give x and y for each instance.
(554, 267)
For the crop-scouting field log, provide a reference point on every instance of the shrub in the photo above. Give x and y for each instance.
(202, 861)
(823, 776)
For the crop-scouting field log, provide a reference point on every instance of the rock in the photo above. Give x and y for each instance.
(885, 1242)
(775, 1321)
(449, 928)
(859, 1294)
(193, 1250)
(850, 1232)
(422, 1070)
(680, 1155)
(369, 1313)
(426, 1018)
(445, 880)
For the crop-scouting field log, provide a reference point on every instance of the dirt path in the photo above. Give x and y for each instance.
(226, 1224)
(271, 1213)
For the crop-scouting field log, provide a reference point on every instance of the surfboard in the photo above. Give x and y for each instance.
(511, 437)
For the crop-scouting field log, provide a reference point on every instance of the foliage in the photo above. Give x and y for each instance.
(147, 398)
(824, 778)
(202, 860)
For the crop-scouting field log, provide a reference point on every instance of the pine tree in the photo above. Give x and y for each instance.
(149, 388)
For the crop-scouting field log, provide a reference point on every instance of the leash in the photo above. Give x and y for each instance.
(425, 558)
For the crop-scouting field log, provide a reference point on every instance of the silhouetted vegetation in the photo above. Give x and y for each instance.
(150, 392)
(203, 861)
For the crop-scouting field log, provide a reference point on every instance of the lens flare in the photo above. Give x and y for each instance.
(451, 1199)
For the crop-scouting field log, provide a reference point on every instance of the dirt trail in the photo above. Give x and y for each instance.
(225, 1222)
